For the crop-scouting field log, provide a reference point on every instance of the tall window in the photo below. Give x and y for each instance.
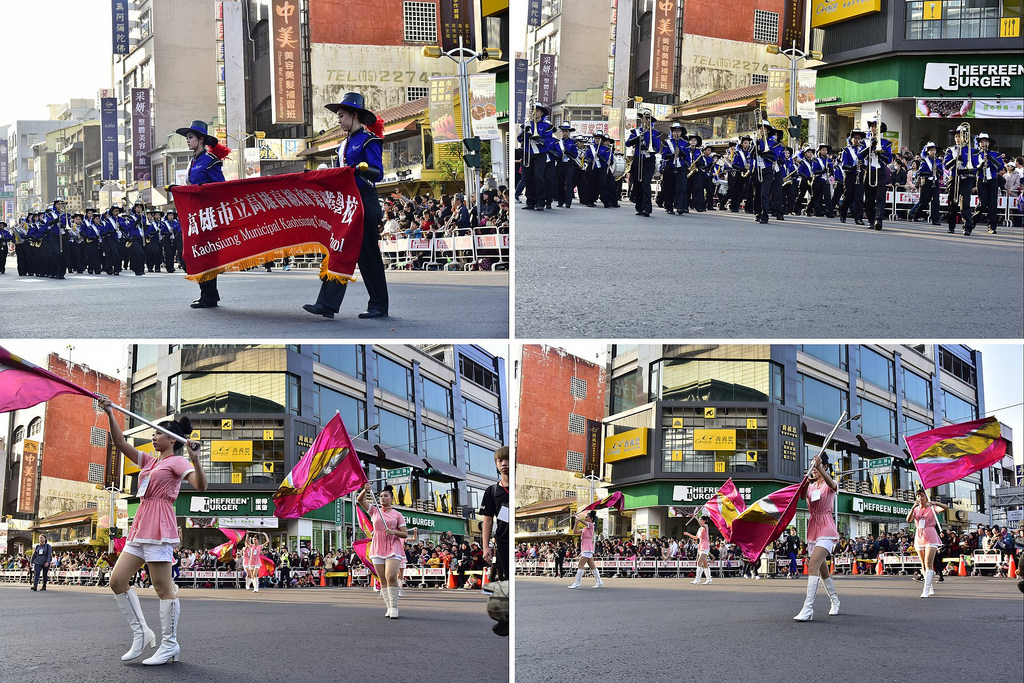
(478, 374)
(878, 421)
(626, 391)
(957, 367)
(481, 460)
(394, 378)
(327, 401)
(420, 22)
(820, 400)
(437, 398)
(345, 358)
(396, 431)
(481, 420)
(766, 26)
(956, 409)
(877, 369)
(19, 435)
(917, 389)
(438, 445)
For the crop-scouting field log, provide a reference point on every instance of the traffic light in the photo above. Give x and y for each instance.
(473, 149)
(796, 123)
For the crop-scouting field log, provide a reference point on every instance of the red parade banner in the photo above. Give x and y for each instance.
(240, 224)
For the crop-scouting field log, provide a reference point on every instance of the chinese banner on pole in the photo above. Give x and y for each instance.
(142, 134)
(108, 138)
(286, 63)
(777, 95)
(442, 108)
(484, 112)
(546, 80)
(663, 46)
(243, 223)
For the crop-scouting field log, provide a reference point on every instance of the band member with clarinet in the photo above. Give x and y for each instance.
(839, 176)
(598, 157)
(538, 135)
(821, 196)
(612, 184)
(646, 142)
(822, 536)
(565, 165)
(926, 538)
(585, 523)
(928, 175)
(767, 152)
(962, 161)
(739, 177)
(852, 161)
(879, 156)
(989, 165)
(703, 550)
(362, 149)
(805, 172)
(672, 149)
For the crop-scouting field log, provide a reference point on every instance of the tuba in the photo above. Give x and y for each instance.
(873, 145)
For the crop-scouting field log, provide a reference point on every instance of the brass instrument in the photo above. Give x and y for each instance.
(528, 134)
(964, 130)
(873, 144)
(693, 167)
(756, 159)
(581, 159)
(789, 178)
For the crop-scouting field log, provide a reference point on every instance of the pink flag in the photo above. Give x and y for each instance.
(765, 520)
(724, 507)
(360, 547)
(225, 552)
(267, 566)
(364, 522)
(328, 470)
(949, 453)
(613, 501)
(23, 384)
(119, 544)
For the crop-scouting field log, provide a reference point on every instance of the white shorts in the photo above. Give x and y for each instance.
(377, 559)
(588, 554)
(827, 543)
(919, 548)
(251, 567)
(151, 552)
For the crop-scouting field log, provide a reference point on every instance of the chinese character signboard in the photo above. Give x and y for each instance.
(456, 23)
(663, 46)
(533, 13)
(5, 171)
(593, 453)
(546, 80)
(806, 81)
(285, 63)
(484, 111)
(442, 108)
(793, 24)
(108, 138)
(119, 25)
(777, 95)
(110, 473)
(29, 476)
(142, 134)
(521, 67)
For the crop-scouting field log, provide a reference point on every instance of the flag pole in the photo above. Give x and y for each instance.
(176, 437)
(921, 479)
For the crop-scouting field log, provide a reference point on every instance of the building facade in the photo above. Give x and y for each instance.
(683, 419)
(431, 416)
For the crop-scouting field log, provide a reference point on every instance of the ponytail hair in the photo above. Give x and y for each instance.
(182, 427)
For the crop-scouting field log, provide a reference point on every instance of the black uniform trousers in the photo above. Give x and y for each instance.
(91, 256)
(853, 197)
(667, 194)
(153, 253)
(3, 256)
(776, 195)
(737, 190)
(565, 173)
(534, 177)
(681, 199)
(137, 255)
(601, 186)
(874, 196)
(820, 194)
(695, 184)
(643, 166)
(21, 252)
(371, 263)
(961, 203)
(988, 201)
(763, 192)
(929, 200)
(167, 248)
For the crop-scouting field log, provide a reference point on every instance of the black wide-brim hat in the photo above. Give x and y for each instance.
(700, 140)
(543, 107)
(354, 102)
(200, 129)
(985, 136)
(825, 147)
(882, 128)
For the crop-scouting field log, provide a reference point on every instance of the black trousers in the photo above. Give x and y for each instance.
(137, 256)
(681, 199)
(167, 251)
(763, 193)
(988, 201)
(961, 203)
(534, 176)
(853, 200)
(820, 195)
(548, 186)
(371, 263)
(667, 194)
(565, 173)
(874, 196)
(929, 200)
(40, 569)
(499, 572)
(644, 166)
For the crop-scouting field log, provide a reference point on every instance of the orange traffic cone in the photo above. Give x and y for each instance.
(323, 578)
(485, 578)
(349, 582)
(1011, 569)
(879, 569)
(963, 567)
(451, 580)
(806, 571)
(855, 569)
(832, 567)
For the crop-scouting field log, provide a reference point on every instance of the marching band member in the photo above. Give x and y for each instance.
(565, 165)
(928, 175)
(767, 152)
(172, 219)
(822, 536)
(821, 197)
(613, 184)
(6, 236)
(852, 161)
(136, 236)
(989, 165)
(694, 169)
(361, 149)
(926, 538)
(538, 135)
(879, 156)
(646, 142)
(836, 169)
(739, 177)
(707, 165)
(599, 157)
(962, 161)
(90, 245)
(152, 247)
(805, 170)
(586, 548)
(673, 176)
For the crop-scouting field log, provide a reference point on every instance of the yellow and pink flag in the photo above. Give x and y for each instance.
(225, 552)
(949, 453)
(615, 500)
(329, 470)
(724, 507)
(765, 520)
(23, 385)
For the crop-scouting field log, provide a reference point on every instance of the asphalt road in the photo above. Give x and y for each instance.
(319, 634)
(743, 630)
(606, 273)
(254, 305)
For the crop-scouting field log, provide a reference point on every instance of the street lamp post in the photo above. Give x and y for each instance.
(794, 55)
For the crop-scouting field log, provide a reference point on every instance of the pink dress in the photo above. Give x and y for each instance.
(159, 483)
(587, 538)
(926, 533)
(822, 523)
(703, 542)
(383, 545)
(251, 555)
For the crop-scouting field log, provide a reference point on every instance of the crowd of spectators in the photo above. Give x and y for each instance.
(426, 217)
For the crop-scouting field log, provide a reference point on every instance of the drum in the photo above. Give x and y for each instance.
(619, 166)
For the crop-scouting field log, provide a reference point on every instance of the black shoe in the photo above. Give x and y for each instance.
(559, 205)
(949, 230)
(858, 221)
(647, 214)
(967, 233)
(199, 303)
(639, 213)
(670, 212)
(842, 219)
(43, 588)
(539, 208)
(33, 588)
(527, 208)
(878, 226)
(317, 309)
(991, 231)
(373, 314)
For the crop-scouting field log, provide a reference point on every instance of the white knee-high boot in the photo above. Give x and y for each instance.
(141, 633)
(929, 576)
(807, 613)
(394, 602)
(385, 593)
(576, 583)
(830, 588)
(170, 610)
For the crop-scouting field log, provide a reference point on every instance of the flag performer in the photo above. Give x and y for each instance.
(251, 559)
(703, 550)
(386, 549)
(926, 538)
(822, 535)
(154, 531)
(586, 547)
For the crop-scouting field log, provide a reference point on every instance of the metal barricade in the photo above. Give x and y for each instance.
(494, 247)
(986, 561)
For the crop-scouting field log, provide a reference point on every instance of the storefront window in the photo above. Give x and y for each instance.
(833, 354)
(877, 369)
(481, 420)
(820, 400)
(148, 403)
(474, 497)
(626, 392)
(396, 431)
(233, 392)
(877, 422)
(481, 460)
(438, 445)
(715, 380)
(437, 398)
(406, 153)
(750, 455)
(959, 19)
(345, 358)
(327, 401)
(955, 409)
(394, 378)
(917, 389)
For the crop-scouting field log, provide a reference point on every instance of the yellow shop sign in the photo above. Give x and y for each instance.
(631, 444)
(714, 439)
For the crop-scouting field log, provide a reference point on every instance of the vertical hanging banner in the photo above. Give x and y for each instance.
(457, 22)
(521, 69)
(119, 26)
(29, 476)
(483, 113)
(110, 473)
(285, 63)
(108, 138)
(593, 456)
(663, 46)
(806, 82)
(142, 134)
(533, 13)
(546, 80)
(777, 95)
(5, 170)
(442, 108)
(793, 24)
